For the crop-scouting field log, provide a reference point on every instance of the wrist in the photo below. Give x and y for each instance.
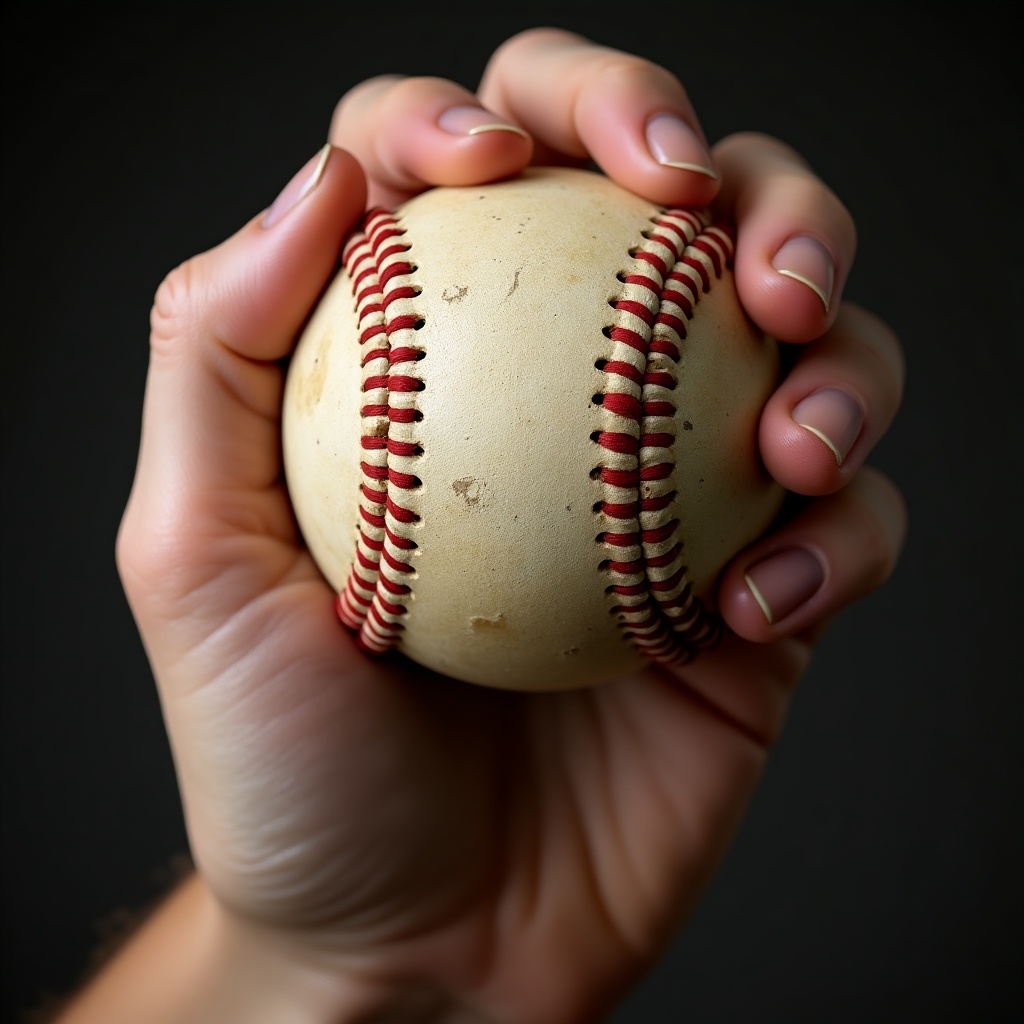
(257, 975)
(194, 962)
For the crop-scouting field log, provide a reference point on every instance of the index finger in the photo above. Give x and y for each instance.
(580, 100)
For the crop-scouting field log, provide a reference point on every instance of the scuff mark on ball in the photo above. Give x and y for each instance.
(469, 489)
(488, 624)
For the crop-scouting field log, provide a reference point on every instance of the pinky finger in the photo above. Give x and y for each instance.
(837, 550)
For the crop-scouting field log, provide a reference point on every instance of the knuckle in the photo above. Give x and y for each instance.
(810, 193)
(880, 523)
(886, 369)
(839, 215)
(639, 73)
(125, 548)
(530, 39)
(130, 550)
(877, 561)
(888, 344)
(595, 60)
(173, 307)
(153, 558)
(879, 351)
(139, 560)
(399, 94)
(355, 102)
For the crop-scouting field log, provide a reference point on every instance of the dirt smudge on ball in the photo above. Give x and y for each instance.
(311, 386)
(469, 489)
(488, 624)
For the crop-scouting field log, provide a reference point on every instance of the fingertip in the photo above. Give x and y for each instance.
(262, 282)
(796, 240)
(789, 288)
(759, 595)
(666, 161)
(809, 444)
(466, 145)
(835, 551)
(582, 101)
(808, 261)
(301, 184)
(418, 132)
(336, 170)
(436, 135)
(838, 398)
(640, 129)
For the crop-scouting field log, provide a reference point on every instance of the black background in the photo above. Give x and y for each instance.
(877, 877)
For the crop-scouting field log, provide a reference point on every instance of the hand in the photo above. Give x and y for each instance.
(379, 836)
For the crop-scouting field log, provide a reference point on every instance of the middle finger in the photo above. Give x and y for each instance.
(578, 100)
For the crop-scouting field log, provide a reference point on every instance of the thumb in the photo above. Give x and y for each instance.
(253, 292)
(209, 464)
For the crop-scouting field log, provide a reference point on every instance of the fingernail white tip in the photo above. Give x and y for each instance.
(318, 173)
(824, 437)
(697, 168)
(759, 598)
(498, 126)
(809, 283)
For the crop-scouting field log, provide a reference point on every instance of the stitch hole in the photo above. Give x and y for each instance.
(418, 326)
(597, 399)
(595, 436)
(595, 473)
(607, 331)
(604, 564)
(600, 364)
(598, 506)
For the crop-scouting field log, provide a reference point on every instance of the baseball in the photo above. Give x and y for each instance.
(520, 431)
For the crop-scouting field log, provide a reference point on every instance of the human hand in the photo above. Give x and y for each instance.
(399, 838)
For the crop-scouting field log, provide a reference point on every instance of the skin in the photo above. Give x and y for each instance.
(371, 839)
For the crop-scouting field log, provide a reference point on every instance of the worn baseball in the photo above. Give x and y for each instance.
(520, 431)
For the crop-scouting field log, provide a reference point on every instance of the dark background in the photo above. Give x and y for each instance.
(877, 877)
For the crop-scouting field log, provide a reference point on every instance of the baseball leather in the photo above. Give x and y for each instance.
(520, 431)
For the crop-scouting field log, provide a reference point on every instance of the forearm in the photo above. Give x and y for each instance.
(192, 963)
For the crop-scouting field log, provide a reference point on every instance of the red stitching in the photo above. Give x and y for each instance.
(374, 598)
(654, 602)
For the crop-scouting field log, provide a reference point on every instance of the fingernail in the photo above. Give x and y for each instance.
(806, 260)
(784, 581)
(673, 143)
(298, 188)
(475, 121)
(834, 417)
